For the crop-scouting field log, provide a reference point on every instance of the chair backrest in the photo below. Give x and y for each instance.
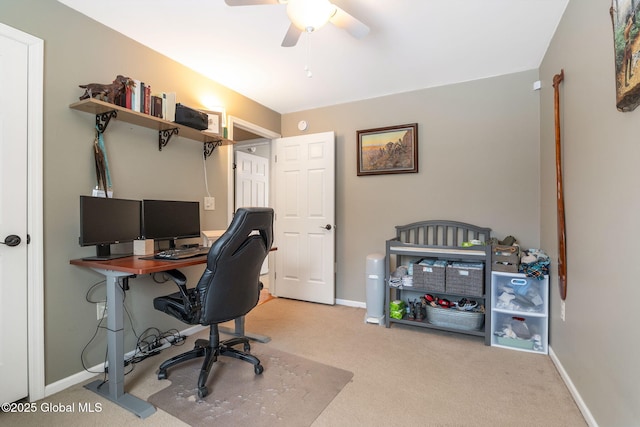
(230, 285)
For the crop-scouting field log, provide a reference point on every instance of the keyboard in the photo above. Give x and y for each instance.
(182, 253)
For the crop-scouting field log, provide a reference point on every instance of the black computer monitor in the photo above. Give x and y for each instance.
(106, 221)
(170, 220)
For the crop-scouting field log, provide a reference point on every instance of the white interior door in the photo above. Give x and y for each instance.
(252, 180)
(305, 217)
(13, 219)
(252, 185)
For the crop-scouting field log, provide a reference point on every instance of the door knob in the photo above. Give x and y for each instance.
(326, 227)
(11, 240)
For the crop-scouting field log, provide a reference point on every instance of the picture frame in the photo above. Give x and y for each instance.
(626, 44)
(388, 150)
(214, 121)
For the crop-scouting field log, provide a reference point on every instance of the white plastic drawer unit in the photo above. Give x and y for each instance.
(520, 312)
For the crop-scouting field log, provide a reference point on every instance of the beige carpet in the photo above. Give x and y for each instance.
(238, 397)
(402, 376)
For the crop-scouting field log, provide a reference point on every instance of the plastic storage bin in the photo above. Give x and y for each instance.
(519, 312)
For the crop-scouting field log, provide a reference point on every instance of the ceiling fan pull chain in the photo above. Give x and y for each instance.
(306, 67)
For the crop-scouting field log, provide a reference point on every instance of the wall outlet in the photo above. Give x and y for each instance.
(562, 311)
(101, 310)
(209, 203)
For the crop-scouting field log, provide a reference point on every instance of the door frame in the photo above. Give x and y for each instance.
(35, 249)
(232, 122)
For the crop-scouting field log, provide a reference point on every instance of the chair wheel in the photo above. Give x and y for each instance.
(202, 392)
(162, 375)
(258, 369)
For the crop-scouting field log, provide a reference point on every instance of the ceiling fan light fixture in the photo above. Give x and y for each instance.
(309, 15)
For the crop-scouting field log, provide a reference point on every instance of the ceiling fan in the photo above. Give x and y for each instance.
(310, 15)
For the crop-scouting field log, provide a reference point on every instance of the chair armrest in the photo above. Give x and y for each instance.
(181, 281)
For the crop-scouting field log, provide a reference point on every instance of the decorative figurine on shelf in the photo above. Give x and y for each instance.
(107, 92)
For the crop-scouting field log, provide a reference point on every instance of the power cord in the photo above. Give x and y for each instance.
(148, 344)
(98, 327)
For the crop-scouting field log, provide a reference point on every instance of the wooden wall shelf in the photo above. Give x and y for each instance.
(104, 112)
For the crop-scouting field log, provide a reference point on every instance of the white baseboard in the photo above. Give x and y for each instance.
(350, 303)
(572, 389)
(67, 382)
(82, 376)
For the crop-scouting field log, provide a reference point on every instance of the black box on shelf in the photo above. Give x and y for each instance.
(191, 118)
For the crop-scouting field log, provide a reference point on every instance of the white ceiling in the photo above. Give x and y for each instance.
(413, 44)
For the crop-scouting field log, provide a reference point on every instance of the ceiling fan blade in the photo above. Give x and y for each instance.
(342, 19)
(292, 36)
(250, 2)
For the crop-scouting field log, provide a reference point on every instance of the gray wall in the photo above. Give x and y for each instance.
(597, 344)
(478, 163)
(78, 50)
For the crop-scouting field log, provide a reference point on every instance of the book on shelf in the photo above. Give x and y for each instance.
(147, 99)
(128, 94)
(138, 97)
(156, 106)
(135, 96)
(121, 99)
(143, 86)
(169, 106)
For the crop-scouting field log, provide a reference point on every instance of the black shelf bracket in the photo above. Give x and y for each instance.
(210, 146)
(102, 120)
(164, 136)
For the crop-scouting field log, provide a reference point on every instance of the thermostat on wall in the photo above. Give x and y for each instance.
(302, 125)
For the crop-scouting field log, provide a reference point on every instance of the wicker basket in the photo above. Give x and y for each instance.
(455, 319)
(465, 279)
(429, 276)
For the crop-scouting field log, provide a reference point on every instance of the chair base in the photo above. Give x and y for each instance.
(210, 350)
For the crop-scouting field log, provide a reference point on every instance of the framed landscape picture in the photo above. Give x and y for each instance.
(214, 124)
(387, 150)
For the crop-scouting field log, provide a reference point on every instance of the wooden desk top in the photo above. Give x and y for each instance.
(137, 265)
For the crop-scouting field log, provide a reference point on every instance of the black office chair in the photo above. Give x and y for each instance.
(228, 289)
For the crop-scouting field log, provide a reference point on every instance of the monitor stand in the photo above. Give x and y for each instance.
(103, 253)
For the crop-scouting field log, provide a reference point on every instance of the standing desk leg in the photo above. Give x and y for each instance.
(115, 341)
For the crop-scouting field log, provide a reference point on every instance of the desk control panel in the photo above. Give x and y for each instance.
(182, 253)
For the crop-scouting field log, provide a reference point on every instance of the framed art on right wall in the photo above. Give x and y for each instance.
(626, 44)
(388, 150)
